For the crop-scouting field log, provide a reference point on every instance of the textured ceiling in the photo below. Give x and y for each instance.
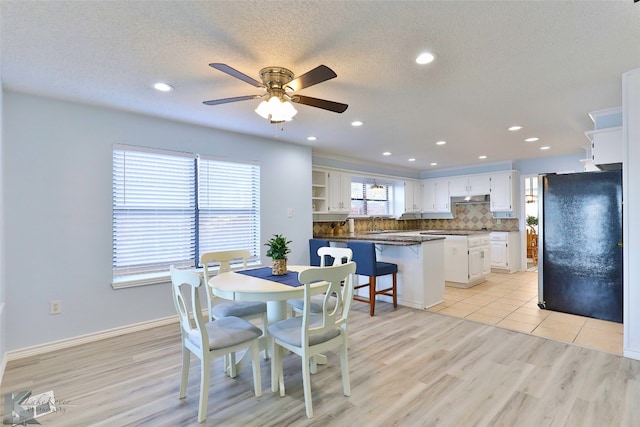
(541, 64)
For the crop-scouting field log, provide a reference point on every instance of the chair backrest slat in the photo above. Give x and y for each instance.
(339, 255)
(185, 285)
(336, 277)
(223, 259)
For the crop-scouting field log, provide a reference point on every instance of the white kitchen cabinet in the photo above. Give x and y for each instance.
(413, 196)
(428, 195)
(465, 260)
(319, 191)
(476, 264)
(456, 259)
(443, 199)
(606, 146)
(469, 185)
(339, 191)
(486, 255)
(503, 191)
(499, 254)
(435, 196)
(505, 251)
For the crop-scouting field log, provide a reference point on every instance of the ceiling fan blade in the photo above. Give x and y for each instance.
(336, 107)
(320, 74)
(234, 99)
(235, 73)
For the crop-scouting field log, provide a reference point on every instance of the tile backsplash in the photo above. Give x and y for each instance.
(474, 216)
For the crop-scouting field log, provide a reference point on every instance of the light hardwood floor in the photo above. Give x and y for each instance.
(408, 368)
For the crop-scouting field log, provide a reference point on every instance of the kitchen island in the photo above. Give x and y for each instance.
(420, 260)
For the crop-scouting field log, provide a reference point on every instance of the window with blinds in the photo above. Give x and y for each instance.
(228, 206)
(168, 207)
(370, 198)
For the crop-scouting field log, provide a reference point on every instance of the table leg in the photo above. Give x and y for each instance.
(276, 310)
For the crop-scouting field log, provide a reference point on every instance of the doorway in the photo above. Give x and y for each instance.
(530, 222)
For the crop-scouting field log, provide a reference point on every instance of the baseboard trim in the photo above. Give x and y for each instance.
(84, 339)
(631, 353)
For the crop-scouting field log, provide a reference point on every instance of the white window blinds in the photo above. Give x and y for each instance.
(370, 198)
(154, 204)
(228, 206)
(169, 207)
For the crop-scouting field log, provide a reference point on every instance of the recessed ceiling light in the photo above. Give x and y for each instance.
(412, 159)
(544, 148)
(532, 139)
(311, 138)
(357, 123)
(515, 128)
(441, 142)
(482, 157)
(386, 153)
(434, 164)
(425, 58)
(163, 87)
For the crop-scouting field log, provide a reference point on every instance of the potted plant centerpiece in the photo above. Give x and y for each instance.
(278, 250)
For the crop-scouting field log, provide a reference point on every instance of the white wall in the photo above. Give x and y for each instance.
(569, 162)
(2, 251)
(57, 169)
(630, 209)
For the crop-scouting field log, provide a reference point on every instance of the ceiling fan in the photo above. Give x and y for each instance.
(279, 84)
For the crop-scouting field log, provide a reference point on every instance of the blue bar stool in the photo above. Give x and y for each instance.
(314, 258)
(364, 255)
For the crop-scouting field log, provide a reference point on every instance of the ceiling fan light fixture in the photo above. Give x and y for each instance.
(276, 110)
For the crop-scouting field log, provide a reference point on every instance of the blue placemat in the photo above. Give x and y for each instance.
(289, 279)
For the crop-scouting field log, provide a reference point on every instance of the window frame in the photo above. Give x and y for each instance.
(148, 274)
(365, 200)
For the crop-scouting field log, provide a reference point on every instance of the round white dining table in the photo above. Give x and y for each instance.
(241, 287)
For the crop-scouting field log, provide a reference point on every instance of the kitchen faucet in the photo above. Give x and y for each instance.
(373, 222)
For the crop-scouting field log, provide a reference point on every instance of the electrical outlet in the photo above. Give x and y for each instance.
(290, 212)
(55, 307)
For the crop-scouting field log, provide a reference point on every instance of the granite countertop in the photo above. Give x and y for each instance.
(401, 237)
(457, 232)
(395, 237)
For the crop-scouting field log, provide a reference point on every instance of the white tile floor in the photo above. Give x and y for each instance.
(510, 301)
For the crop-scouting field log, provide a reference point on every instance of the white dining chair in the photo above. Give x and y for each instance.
(209, 339)
(339, 256)
(219, 308)
(310, 334)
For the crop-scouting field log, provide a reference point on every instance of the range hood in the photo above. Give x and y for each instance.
(410, 215)
(330, 216)
(482, 198)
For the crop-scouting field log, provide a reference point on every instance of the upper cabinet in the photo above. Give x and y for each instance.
(470, 185)
(606, 138)
(319, 191)
(412, 196)
(435, 196)
(339, 191)
(503, 191)
(606, 147)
